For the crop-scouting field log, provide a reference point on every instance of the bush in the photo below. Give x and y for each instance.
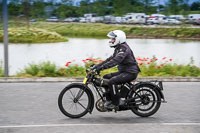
(149, 67)
(44, 69)
(165, 67)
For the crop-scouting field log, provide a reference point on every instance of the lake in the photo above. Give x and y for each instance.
(77, 49)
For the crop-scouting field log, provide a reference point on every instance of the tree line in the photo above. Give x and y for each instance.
(73, 8)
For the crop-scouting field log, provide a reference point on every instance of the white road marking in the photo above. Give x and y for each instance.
(103, 124)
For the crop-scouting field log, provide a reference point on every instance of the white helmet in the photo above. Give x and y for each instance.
(120, 37)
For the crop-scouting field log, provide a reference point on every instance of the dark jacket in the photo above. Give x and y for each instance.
(124, 58)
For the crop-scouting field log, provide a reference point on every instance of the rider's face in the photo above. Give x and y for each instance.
(112, 40)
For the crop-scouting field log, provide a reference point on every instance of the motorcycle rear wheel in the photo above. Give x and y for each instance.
(147, 100)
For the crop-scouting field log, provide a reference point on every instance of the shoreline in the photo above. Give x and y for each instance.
(161, 37)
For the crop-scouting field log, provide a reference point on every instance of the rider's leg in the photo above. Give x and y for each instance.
(116, 80)
(110, 75)
(108, 86)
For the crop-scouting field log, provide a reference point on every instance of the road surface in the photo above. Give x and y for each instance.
(32, 108)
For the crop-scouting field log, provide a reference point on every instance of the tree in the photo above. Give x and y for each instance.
(149, 6)
(38, 8)
(173, 7)
(177, 7)
(195, 6)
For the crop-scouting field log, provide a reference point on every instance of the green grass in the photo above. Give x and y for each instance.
(167, 32)
(101, 30)
(97, 30)
(81, 29)
(32, 35)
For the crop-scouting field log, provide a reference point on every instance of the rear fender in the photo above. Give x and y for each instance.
(158, 87)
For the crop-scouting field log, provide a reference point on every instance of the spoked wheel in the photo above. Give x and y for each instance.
(147, 100)
(74, 101)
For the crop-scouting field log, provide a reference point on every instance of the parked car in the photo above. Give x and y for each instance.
(157, 20)
(109, 19)
(152, 20)
(178, 17)
(68, 20)
(197, 21)
(173, 21)
(82, 20)
(96, 19)
(71, 19)
(90, 17)
(52, 19)
(32, 20)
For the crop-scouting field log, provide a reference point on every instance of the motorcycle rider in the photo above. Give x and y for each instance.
(128, 69)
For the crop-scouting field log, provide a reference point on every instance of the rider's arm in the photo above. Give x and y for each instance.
(107, 60)
(116, 60)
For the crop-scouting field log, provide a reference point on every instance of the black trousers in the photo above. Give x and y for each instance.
(116, 79)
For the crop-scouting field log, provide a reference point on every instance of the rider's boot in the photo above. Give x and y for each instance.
(114, 97)
(121, 102)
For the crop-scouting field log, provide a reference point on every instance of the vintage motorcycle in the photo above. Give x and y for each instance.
(142, 97)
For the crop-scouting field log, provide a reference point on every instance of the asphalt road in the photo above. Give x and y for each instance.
(32, 108)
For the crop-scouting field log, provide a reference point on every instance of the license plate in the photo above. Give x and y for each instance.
(84, 81)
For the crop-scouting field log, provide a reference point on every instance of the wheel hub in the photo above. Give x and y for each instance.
(145, 100)
(75, 100)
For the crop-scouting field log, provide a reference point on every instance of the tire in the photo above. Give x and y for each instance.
(73, 98)
(149, 98)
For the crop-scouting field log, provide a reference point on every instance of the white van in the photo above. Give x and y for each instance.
(157, 19)
(193, 17)
(135, 18)
(178, 17)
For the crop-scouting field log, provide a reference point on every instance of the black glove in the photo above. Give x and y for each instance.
(97, 68)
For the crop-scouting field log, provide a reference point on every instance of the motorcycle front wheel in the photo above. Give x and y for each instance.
(75, 101)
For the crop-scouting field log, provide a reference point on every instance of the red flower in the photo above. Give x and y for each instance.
(89, 59)
(161, 65)
(153, 66)
(84, 60)
(170, 59)
(144, 59)
(140, 64)
(173, 71)
(164, 58)
(151, 60)
(156, 59)
(67, 64)
(158, 67)
(148, 62)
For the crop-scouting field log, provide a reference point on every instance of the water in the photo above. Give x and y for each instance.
(20, 55)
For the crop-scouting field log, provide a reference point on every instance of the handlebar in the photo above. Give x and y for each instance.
(92, 71)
